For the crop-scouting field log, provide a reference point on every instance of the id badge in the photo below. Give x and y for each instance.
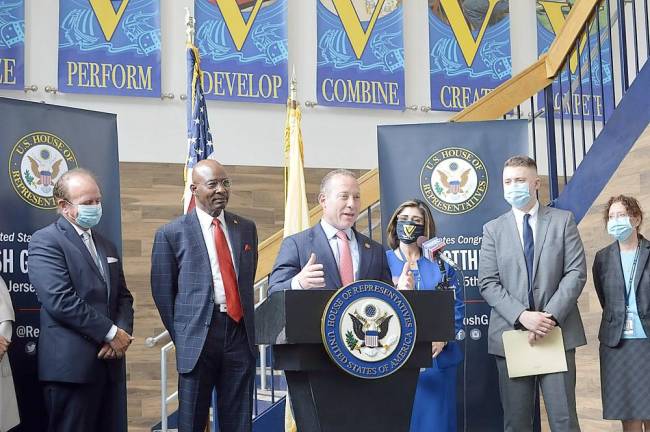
(628, 329)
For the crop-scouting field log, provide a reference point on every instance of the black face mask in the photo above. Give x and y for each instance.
(408, 231)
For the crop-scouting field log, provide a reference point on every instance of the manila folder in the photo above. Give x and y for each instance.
(545, 356)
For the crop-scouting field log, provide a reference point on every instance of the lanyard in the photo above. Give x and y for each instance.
(628, 289)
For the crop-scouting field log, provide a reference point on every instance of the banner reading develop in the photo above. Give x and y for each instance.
(456, 168)
(360, 54)
(469, 49)
(244, 49)
(38, 143)
(110, 48)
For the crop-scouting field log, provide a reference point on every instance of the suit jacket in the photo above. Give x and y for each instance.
(559, 274)
(296, 250)
(610, 287)
(182, 284)
(78, 307)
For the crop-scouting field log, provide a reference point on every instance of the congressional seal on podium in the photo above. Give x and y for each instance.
(368, 329)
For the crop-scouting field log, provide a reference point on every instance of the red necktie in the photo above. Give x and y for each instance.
(228, 275)
(345, 259)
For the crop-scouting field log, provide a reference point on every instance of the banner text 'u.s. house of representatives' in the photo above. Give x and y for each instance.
(12, 44)
(469, 50)
(110, 47)
(244, 49)
(588, 90)
(360, 54)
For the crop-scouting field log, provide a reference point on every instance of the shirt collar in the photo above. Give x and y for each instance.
(519, 215)
(79, 230)
(330, 231)
(206, 220)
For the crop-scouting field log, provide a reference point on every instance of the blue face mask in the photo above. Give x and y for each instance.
(620, 228)
(517, 194)
(88, 215)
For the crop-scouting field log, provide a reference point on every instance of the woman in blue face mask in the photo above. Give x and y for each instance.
(622, 281)
(434, 409)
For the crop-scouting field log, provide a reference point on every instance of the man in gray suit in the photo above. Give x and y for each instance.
(532, 270)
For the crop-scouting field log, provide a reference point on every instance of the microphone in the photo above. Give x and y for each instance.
(432, 250)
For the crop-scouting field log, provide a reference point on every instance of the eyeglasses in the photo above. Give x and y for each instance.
(213, 184)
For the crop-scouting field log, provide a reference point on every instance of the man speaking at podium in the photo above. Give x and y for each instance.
(330, 254)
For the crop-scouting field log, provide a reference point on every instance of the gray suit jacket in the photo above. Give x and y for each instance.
(559, 274)
(610, 287)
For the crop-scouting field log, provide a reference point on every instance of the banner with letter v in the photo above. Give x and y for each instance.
(360, 54)
(110, 47)
(244, 49)
(469, 50)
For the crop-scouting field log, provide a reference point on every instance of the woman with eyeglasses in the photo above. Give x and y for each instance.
(434, 408)
(622, 280)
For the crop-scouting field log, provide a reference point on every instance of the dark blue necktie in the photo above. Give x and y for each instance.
(529, 253)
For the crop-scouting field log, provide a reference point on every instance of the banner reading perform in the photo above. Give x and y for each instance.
(110, 48)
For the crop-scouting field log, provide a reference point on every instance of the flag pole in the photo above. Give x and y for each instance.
(189, 26)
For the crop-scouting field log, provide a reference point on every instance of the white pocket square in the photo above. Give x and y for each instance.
(111, 260)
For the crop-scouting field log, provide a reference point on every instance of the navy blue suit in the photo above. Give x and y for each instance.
(296, 250)
(211, 349)
(78, 310)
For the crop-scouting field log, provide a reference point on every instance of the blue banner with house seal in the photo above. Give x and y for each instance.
(12, 44)
(469, 50)
(360, 54)
(456, 169)
(584, 88)
(110, 47)
(244, 49)
(38, 144)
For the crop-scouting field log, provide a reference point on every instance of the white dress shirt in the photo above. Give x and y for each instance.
(330, 233)
(532, 221)
(113, 330)
(205, 220)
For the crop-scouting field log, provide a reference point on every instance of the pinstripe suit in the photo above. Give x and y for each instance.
(211, 349)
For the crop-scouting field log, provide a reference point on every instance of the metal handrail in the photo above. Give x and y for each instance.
(152, 341)
(164, 399)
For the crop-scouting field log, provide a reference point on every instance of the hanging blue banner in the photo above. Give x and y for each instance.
(469, 50)
(244, 49)
(110, 47)
(458, 174)
(360, 54)
(585, 84)
(12, 44)
(38, 144)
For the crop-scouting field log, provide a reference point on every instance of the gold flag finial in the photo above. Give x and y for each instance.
(293, 88)
(189, 26)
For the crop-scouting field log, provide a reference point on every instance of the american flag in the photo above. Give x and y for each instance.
(199, 138)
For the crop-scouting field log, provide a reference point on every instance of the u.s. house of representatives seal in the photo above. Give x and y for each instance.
(454, 180)
(368, 329)
(36, 162)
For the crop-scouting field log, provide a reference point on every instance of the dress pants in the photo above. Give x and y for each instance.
(558, 390)
(99, 406)
(226, 363)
